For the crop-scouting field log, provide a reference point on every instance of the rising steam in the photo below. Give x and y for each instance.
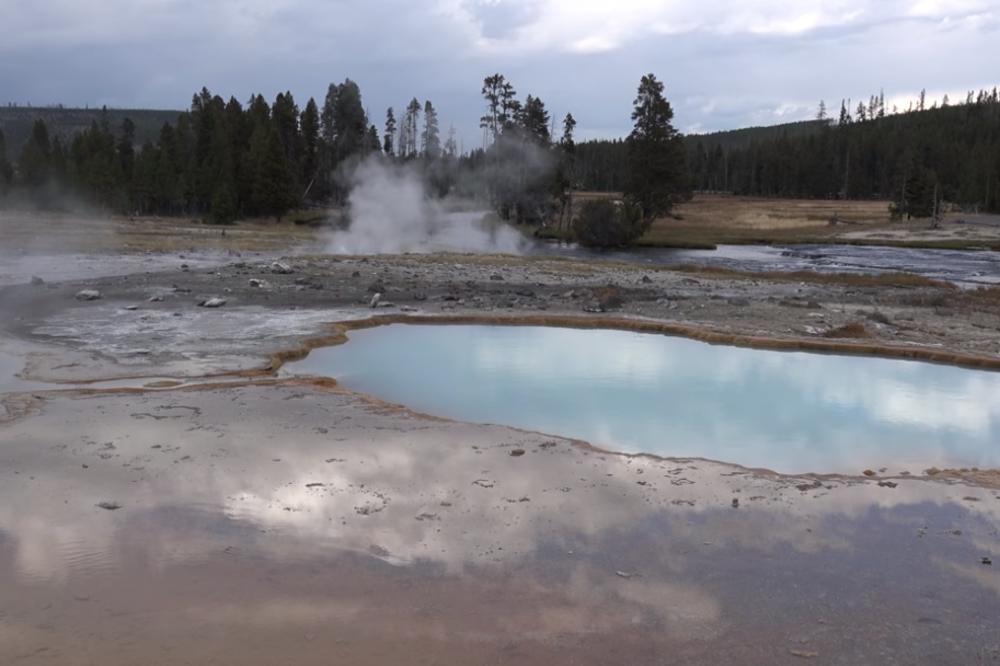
(390, 212)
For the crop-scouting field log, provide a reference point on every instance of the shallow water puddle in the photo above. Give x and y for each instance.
(787, 411)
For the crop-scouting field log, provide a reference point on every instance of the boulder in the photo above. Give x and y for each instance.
(88, 295)
(214, 302)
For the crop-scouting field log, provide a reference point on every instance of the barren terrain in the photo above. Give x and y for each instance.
(205, 507)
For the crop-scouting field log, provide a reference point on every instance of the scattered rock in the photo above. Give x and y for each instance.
(35, 280)
(375, 300)
(496, 277)
(155, 299)
(646, 279)
(516, 452)
(810, 486)
(281, 268)
(987, 561)
(609, 298)
(258, 283)
(887, 484)
(803, 654)
(214, 302)
(376, 287)
(869, 472)
(88, 295)
(625, 574)
(110, 506)
(736, 503)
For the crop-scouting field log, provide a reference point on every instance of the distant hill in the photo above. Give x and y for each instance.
(16, 122)
(742, 138)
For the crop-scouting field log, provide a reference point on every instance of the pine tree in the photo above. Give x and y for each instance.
(656, 160)
(33, 163)
(430, 140)
(569, 126)
(821, 113)
(6, 169)
(450, 145)
(272, 192)
(309, 123)
(285, 116)
(390, 133)
(350, 123)
(534, 119)
(373, 143)
(411, 122)
(492, 121)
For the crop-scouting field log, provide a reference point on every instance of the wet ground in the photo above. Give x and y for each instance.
(967, 268)
(258, 525)
(290, 522)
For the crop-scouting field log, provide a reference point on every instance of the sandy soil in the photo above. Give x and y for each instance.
(272, 520)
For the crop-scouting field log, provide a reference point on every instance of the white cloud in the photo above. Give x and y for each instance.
(741, 63)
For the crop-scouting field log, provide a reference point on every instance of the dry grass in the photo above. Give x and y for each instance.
(96, 234)
(710, 220)
(752, 213)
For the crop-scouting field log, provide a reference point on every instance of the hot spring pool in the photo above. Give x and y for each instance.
(791, 412)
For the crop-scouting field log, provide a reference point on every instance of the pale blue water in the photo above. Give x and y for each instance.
(787, 411)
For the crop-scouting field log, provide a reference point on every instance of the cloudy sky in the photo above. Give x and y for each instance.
(725, 63)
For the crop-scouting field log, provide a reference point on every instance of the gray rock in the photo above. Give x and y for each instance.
(281, 268)
(88, 295)
(35, 280)
(375, 300)
(260, 284)
(214, 302)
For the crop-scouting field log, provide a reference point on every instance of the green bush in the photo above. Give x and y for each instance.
(606, 223)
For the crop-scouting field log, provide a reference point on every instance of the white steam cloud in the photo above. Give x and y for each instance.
(390, 213)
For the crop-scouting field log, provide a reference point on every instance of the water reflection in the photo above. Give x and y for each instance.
(792, 412)
(260, 522)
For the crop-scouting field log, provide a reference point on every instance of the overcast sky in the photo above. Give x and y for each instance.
(725, 64)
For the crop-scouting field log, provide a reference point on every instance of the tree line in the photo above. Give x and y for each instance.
(916, 158)
(221, 159)
(224, 160)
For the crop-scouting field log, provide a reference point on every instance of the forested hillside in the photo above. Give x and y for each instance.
(907, 157)
(65, 123)
(225, 160)
(952, 150)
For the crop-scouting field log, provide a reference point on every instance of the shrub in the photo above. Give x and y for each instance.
(605, 223)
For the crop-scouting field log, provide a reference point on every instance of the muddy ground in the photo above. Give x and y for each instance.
(274, 520)
(151, 323)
